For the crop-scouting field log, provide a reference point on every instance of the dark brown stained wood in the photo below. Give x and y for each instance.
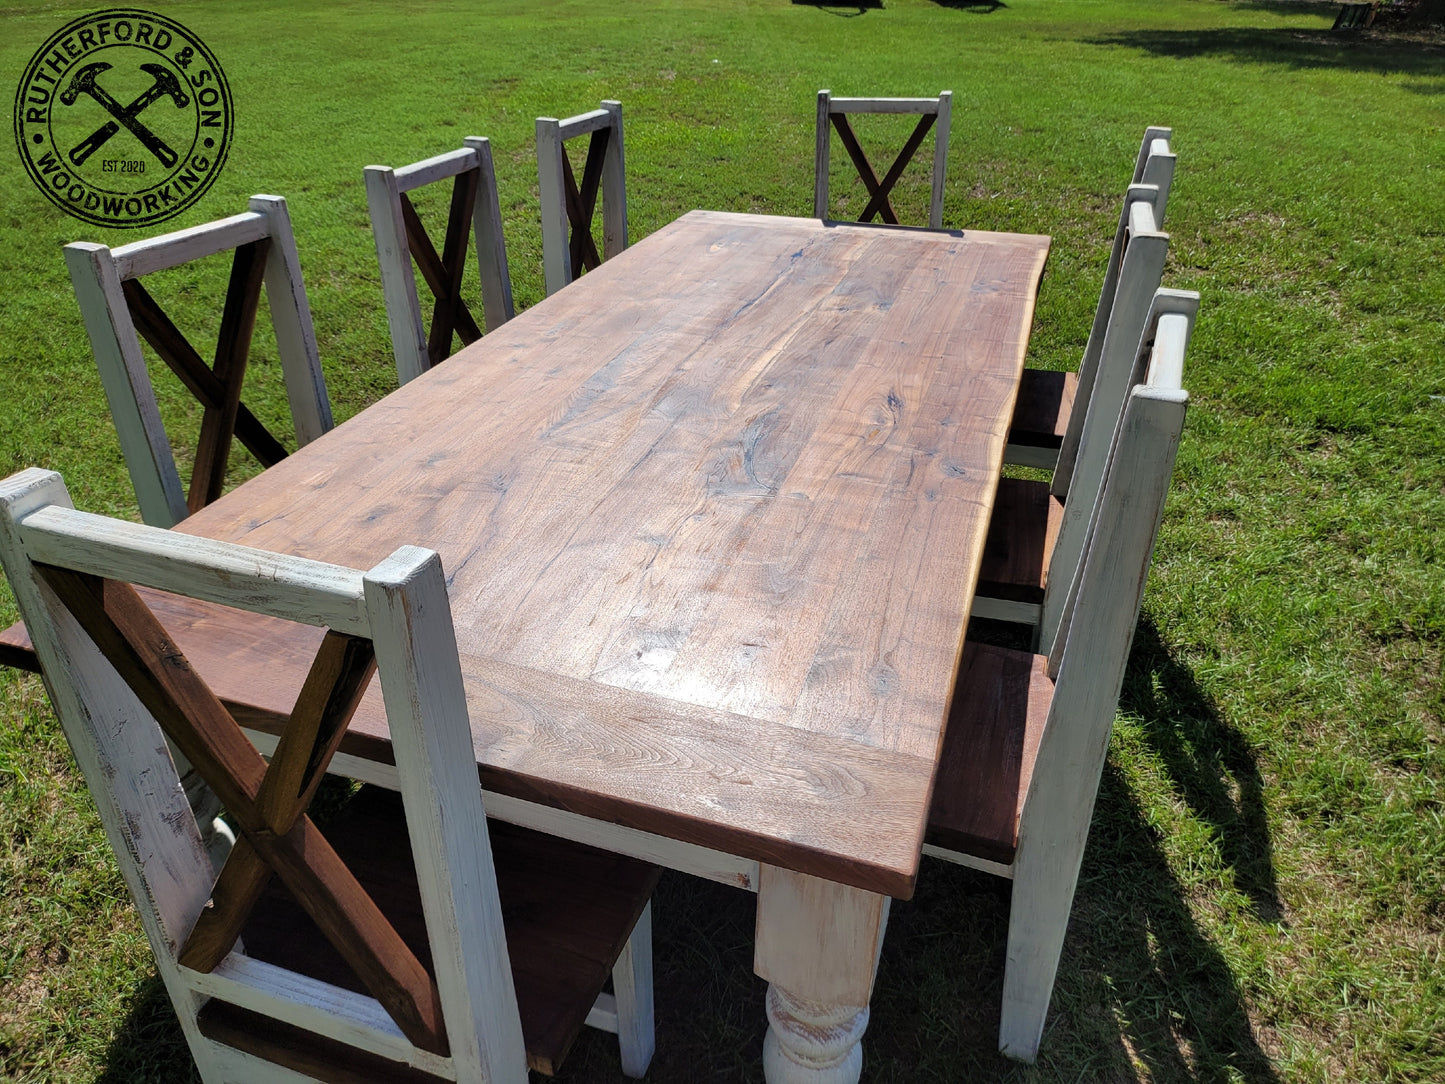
(718, 507)
(1000, 705)
(148, 660)
(582, 204)
(16, 650)
(173, 348)
(443, 274)
(303, 1051)
(568, 911)
(233, 347)
(1021, 534)
(1046, 399)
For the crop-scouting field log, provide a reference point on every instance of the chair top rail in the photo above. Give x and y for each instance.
(438, 167)
(292, 588)
(582, 123)
(172, 249)
(1166, 365)
(887, 105)
(1142, 219)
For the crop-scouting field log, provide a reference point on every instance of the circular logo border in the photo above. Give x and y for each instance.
(53, 45)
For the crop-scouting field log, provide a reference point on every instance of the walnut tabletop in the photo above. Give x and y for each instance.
(712, 518)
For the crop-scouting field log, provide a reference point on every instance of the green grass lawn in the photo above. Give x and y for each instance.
(1263, 898)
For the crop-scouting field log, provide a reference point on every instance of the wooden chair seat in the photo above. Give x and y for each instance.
(1041, 415)
(1021, 534)
(988, 752)
(568, 910)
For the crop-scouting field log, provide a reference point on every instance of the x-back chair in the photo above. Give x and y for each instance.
(118, 311)
(833, 113)
(568, 248)
(401, 239)
(376, 949)
(1035, 534)
(1026, 740)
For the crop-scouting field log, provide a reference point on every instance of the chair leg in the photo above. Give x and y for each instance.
(632, 986)
(1043, 895)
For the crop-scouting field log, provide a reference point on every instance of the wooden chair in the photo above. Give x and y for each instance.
(1027, 735)
(1026, 539)
(377, 949)
(401, 239)
(116, 306)
(833, 113)
(1047, 420)
(567, 208)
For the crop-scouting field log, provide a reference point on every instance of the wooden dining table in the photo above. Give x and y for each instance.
(712, 518)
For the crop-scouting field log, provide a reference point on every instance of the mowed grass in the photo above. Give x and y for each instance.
(1263, 896)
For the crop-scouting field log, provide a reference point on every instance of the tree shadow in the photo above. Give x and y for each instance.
(1293, 48)
(836, 7)
(1208, 761)
(978, 7)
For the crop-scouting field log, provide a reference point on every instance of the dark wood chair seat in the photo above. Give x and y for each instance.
(16, 650)
(1041, 415)
(1000, 704)
(568, 911)
(1026, 519)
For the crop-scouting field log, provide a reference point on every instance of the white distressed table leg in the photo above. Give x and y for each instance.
(817, 946)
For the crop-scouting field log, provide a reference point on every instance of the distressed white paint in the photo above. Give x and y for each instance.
(96, 273)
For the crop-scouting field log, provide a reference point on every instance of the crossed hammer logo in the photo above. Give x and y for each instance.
(125, 116)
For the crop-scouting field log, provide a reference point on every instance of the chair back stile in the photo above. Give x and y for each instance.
(401, 239)
(568, 248)
(1087, 663)
(120, 689)
(118, 310)
(833, 114)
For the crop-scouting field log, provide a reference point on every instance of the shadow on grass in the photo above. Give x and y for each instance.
(149, 1048)
(978, 7)
(1208, 761)
(1289, 47)
(841, 9)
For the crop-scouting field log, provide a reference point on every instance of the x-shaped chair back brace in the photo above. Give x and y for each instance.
(834, 112)
(117, 308)
(401, 239)
(268, 803)
(567, 207)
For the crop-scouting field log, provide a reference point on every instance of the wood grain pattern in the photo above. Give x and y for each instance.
(711, 518)
(988, 755)
(1021, 534)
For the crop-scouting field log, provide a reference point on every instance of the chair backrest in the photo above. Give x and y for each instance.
(117, 308)
(1141, 271)
(1088, 658)
(567, 245)
(1154, 165)
(119, 685)
(401, 239)
(1168, 309)
(833, 113)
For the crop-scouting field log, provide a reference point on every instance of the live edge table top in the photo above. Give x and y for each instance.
(711, 518)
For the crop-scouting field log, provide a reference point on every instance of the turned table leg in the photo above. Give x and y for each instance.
(817, 946)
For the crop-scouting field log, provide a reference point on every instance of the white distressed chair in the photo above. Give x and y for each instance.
(116, 307)
(568, 248)
(1049, 415)
(399, 968)
(1027, 543)
(401, 239)
(1027, 736)
(833, 113)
